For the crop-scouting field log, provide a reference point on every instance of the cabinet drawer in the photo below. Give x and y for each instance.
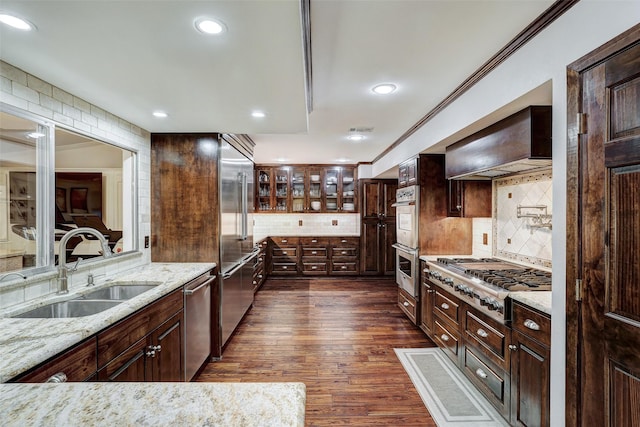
(344, 252)
(290, 252)
(314, 267)
(447, 338)
(531, 323)
(344, 267)
(78, 364)
(285, 241)
(447, 307)
(117, 338)
(345, 241)
(490, 380)
(407, 304)
(486, 335)
(284, 267)
(314, 241)
(308, 252)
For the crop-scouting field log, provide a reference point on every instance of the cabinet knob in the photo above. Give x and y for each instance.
(444, 306)
(151, 353)
(481, 332)
(444, 337)
(406, 304)
(482, 374)
(513, 347)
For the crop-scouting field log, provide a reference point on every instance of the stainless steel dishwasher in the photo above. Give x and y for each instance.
(197, 324)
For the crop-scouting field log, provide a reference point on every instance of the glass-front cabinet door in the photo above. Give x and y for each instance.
(265, 188)
(298, 189)
(348, 199)
(281, 176)
(331, 185)
(315, 189)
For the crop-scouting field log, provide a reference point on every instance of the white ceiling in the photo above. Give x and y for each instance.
(133, 57)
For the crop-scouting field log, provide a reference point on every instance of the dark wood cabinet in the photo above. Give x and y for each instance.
(378, 226)
(260, 266)
(78, 363)
(469, 199)
(408, 305)
(146, 346)
(408, 173)
(305, 189)
(427, 292)
(184, 198)
(530, 368)
(313, 256)
(344, 253)
(284, 255)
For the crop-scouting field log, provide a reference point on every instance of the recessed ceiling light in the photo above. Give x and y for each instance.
(281, 160)
(384, 88)
(258, 114)
(35, 135)
(15, 22)
(160, 114)
(209, 26)
(356, 137)
(342, 160)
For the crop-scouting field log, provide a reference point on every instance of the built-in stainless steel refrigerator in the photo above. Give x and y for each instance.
(236, 241)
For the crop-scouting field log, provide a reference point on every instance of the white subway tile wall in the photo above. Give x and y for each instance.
(266, 225)
(27, 92)
(523, 238)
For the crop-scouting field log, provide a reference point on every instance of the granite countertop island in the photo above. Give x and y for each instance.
(153, 404)
(540, 300)
(25, 343)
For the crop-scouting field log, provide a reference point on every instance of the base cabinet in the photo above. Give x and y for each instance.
(313, 256)
(530, 368)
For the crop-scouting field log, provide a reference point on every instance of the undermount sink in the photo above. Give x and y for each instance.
(118, 292)
(71, 308)
(91, 303)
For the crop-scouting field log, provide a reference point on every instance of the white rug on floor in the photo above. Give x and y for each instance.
(451, 399)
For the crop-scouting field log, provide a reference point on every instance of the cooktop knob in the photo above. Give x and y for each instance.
(485, 301)
(448, 281)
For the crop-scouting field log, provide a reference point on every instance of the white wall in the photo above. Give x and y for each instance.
(586, 26)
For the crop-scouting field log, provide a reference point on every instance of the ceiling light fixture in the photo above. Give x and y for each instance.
(356, 137)
(258, 114)
(384, 88)
(160, 114)
(209, 26)
(15, 22)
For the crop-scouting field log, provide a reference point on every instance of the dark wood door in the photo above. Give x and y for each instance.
(167, 361)
(603, 253)
(378, 231)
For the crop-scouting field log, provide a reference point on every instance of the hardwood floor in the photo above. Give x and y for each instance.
(337, 336)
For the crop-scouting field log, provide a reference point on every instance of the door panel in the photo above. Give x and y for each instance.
(607, 242)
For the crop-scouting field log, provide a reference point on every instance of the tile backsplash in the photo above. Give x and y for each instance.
(522, 215)
(266, 225)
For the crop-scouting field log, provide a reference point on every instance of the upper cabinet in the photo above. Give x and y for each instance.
(306, 189)
(469, 199)
(408, 173)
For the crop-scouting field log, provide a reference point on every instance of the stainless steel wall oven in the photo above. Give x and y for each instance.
(407, 239)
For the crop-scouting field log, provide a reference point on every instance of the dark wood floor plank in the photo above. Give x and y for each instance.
(337, 336)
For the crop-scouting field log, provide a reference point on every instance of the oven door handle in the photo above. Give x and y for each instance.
(404, 248)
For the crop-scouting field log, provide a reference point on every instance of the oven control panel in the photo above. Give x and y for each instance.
(470, 290)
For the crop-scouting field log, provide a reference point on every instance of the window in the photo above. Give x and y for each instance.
(53, 180)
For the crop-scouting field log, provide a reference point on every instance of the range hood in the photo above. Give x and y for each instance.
(516, 144)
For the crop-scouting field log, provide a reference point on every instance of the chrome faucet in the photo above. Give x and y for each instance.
(11, 274)
(63, 284)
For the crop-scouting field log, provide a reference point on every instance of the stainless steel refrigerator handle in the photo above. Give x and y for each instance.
(233, 271)
(203, 285)
(245, 207)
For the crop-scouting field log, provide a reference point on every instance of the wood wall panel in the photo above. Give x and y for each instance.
(625, 390)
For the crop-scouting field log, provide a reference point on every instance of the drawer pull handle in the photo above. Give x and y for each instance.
(344, 267)
(314, 252)
(482, 374)
(284, 252)
(444, 337)
(444, 306)
(343, 241)
(481, 332)
(284, 267)
(60, 377)
(531, 325)
(315, 267)
(284, 240)
(343, 252)
(314, 241)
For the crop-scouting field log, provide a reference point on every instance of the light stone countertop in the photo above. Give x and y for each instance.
(540, 300)
(25, 343)
(153, 404)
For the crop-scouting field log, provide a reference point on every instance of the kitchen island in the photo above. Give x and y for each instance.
(153, 404)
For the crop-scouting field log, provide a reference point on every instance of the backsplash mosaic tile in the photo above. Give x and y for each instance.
(522, 217)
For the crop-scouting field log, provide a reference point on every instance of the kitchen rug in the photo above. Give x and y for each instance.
(450, 398)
